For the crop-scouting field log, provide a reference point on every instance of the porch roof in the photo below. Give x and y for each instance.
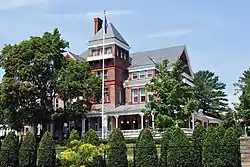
(205, 118)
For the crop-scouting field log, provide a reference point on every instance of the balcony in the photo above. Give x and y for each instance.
(100, 57)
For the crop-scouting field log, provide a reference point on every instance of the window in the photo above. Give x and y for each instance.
(134, 95)
(142, 74)
(134, 75)
(117, 52)
(125, 56)
(56, 102)
(108, 50)
(96, 53)
(120, 96)
(99, 74)
(142, 95)
(150, 96)
(121, 54)
(105, 74)
(106, 95)
(150, 73)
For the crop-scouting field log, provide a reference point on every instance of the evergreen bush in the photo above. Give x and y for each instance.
(197, 140)
(27, 152)
(46, 155)
(74, 135)
(164, 146)
(146, 153)
(91, 138)
(9, 151)
(179, 149)
(117, 155)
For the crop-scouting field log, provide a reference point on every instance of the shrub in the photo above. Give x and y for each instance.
(146, 153)
(117, 155)
(91, 138)
(46, 156)
(197, 140)
(9, 151)
(231, 153)
(164, 146)
(74, 135)
(27, 152)
(179, 149)
(213, 147)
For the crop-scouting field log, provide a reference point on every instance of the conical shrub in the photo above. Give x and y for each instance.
(117, 155)
(27, 152)
(9, 151)
(164, 146)
(46, 155)
(91, 138)
(146, 153)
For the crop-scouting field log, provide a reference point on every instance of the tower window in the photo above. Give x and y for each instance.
(108, 50)
(56, 102)
(99, 73)
(96, 53)
(106, 95)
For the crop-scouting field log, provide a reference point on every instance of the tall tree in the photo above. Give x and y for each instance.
(171, 93)
(31, 73)
(209, 92)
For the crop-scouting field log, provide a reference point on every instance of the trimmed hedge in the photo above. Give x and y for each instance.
(117, 154)
(28, 152)
(164, 147)
(74, 135)
(9, 151)
(46, 156)
(146, 153)
(91, 138)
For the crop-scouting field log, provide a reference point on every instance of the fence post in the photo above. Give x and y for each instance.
(134, 155)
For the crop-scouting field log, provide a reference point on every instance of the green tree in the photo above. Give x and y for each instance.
(31, 73)
(197, 140)
(171, 93)
(165, 146)
(91, 138)
(117, 155)
(74, 135)
(163, 121)
(9, 151)
(27, 152)
(146, 153)
(46, 155)
(179, 149)
(210, 93)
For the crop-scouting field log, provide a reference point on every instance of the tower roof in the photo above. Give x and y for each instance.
(112, 33)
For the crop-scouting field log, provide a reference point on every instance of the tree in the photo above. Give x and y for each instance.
(171, 93)
(27, 152)
(146, 153)
(197, 140)
(31, 73)
(179, 149)
(210, 93)
(163, 121)
(74, 135)
(46, 155)
(165, 146)
(9, 151)
(117, 155)
(91, 138)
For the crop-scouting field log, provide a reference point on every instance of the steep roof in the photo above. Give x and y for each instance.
(112, 32)
(148, 58)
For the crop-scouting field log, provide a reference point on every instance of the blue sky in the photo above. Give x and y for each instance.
(216, 32)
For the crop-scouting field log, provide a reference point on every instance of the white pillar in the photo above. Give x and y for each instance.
(116, 121)
(153, 120)
(105, 125)
(193, 121)
(83, 126)
(142, 121)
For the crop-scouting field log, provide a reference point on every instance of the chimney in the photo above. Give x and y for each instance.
(98, 24)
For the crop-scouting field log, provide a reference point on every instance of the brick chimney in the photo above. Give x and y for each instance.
(98, 24)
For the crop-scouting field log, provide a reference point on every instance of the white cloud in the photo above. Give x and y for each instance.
(11, 4)
(170, 33)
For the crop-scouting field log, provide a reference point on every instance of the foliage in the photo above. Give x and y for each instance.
(231, 152)
(210, 93)
(213, 147)
(165, 146)
(81, 154)
(197, 140)
(74, 135)
(77, 82)
(46, 154)
(9, 151)
(27, 152)
(146, 153)
(171, 93)
(91, 137)
(179, 149)
(29, 83)
(117, 155)
(164, 121)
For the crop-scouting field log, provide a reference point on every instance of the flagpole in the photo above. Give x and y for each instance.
(103, 49)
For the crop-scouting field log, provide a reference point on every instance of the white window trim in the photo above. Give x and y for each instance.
(133, 96)
(133, 75)
(140, 75)
(142, 69)
(141, 95)
(148, 94)
(150, 73)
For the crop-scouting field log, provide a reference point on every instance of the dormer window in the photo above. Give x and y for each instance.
(134, 75)
(142, 74)
(108, 50)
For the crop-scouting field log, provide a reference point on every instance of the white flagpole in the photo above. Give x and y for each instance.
(103, 49)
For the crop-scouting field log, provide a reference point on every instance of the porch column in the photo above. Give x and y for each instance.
(142, 121)
(116, 121)
(153, 120)
(83, 126)
(105, 125)
(193, 120)
(52, 129)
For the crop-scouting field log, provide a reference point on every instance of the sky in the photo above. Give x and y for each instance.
(216, 33)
